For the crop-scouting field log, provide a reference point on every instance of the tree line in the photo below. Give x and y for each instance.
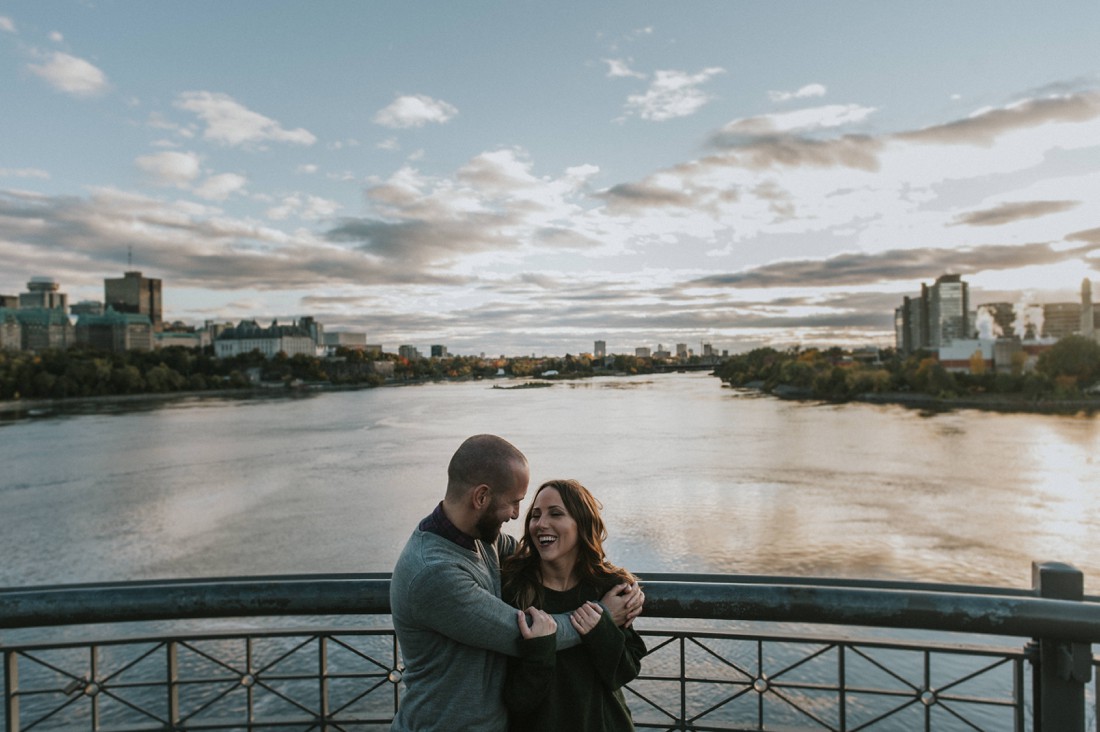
(83, 372)
(1063, 371)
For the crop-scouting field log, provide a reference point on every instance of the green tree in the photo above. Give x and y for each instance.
(1073, 356)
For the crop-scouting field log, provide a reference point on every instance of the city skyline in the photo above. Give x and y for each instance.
(520, 177)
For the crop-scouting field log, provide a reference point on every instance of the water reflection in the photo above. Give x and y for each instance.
(693, 477)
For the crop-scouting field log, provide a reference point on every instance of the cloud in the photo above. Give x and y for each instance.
(7, 24)
(891, 266)
(620, 69)
(304, 206)
(415, 111)
(56, 37)
(307, 168)
(71, 75)
(231, 123)
(985, 126)
(77, 238)
(769, 126)
(1008, 213)
(220, 187)
(672, 94)
(24, 173)
(170, 168)
(810, 90)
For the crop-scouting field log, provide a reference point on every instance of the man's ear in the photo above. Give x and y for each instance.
(481, 496)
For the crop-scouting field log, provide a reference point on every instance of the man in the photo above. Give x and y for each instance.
(451, 624)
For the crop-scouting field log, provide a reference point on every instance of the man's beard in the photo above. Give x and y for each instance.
(487, 527)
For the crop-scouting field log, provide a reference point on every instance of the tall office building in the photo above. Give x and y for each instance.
(1088, 322)
(948, 310)
(43, 292)
(133, 293)
(600, 349)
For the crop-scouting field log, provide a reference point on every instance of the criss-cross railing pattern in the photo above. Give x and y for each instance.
(300, 680)
(350, 680)
(724, 681)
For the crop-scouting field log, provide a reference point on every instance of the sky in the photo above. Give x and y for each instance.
(530, 177)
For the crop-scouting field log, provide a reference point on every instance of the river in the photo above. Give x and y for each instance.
(693, 476)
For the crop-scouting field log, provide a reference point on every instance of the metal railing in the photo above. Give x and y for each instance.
(761, 653)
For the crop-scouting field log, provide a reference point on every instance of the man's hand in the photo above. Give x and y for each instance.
(535, 623)
(624, 602)
(586, 617)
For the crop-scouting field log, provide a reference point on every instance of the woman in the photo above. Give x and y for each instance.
(560, 567)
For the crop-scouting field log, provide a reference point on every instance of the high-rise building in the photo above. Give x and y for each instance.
(43, 292)
(600, 351)
(1061, 319)
(948, 310)
(133, 293)
(911, 323)
(439, 351)
(681, 350)
(1087, 326)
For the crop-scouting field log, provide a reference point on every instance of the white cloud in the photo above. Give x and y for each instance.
(71, 75)
(24, 173)
(810, 90)
(415, 111)
(308, 168)
(170, 168)
(304, 206)
(56, 37)
(7, 24)
(390, 143)
(220, 187)
(231, 123)
(672, 94)
(618, 68)
(801, 120)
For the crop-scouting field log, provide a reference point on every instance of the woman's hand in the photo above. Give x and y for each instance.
(540, 623)
(586, 617)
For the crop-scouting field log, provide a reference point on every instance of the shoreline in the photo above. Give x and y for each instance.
(1005, 403)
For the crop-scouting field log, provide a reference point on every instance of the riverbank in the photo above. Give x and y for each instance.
(927, 402)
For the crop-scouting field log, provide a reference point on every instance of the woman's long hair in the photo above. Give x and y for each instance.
(521, 577)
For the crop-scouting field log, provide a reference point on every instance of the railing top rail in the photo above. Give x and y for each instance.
(911, 607)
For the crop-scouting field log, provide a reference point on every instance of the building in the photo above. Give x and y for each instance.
(948, 310)
(192, 339)
(39, 329)
(409, 353)
(248, 336)
(11, 332)
(86, 307)
(115, 332)
(9, 301)
(44, 293)
(438, 351)
(343, 339)
(133, 293)
(1061, 319)
(600, 349)
(1087, 326)
(911, 323)
(681, 351)
(641, 352)
(963, 354)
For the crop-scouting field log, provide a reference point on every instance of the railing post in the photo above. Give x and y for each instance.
(1063, 668)
(11, 688)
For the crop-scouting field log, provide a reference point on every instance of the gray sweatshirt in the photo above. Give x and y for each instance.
(453, 630)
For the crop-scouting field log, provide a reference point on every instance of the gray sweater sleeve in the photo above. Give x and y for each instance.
(447, 597)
